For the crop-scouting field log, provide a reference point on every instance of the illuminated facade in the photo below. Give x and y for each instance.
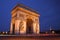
(24, 20)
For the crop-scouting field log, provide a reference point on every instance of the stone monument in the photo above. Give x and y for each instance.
(24, 20)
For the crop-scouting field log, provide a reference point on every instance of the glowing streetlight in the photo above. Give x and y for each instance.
(53, 32)
(3, 32)
(6, 32)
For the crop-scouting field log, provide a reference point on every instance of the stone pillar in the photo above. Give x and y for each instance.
(11, 28)
(17, 26)
(23, 27)
(38, 26)
(34, 28)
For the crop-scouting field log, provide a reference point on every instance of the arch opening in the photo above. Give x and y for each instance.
(13, 29)
(29, 27)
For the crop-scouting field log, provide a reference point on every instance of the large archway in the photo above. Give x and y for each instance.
(13, 29)
(29, 27)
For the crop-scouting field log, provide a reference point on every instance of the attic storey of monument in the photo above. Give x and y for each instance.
(24, 20)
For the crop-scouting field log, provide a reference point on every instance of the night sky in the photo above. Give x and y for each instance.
(49, 11)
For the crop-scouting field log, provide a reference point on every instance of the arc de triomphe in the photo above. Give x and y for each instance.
(24, 20)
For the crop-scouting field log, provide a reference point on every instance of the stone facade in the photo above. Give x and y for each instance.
(24, 21)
